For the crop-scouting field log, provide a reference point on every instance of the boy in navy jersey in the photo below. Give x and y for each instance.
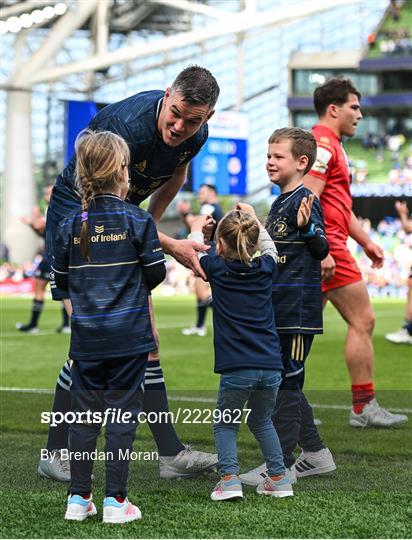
(108, 256)
(295, 224)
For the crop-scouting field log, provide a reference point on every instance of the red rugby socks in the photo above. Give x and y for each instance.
(362, 394)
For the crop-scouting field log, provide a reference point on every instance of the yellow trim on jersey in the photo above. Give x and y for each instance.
(297, 328)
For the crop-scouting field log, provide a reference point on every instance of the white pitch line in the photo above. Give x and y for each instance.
(187, 398)
(18, 334)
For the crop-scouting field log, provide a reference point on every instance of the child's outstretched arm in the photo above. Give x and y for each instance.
(266, 244)
(311, 227)
(199, 225)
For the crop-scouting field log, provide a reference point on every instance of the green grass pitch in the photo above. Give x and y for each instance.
(367, 497)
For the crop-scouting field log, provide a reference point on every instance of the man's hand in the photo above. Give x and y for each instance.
(305, 210)
(185, 252)
(328, 268)
(247, 208)
(375, 254)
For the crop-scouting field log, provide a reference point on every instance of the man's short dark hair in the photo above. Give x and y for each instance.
(210, 186)
(302, 143)
(197, 86)
(335, 91)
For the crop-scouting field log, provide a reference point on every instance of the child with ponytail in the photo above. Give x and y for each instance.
(246, 344)
(108, 256)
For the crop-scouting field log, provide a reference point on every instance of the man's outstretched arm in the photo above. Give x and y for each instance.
(184, 251)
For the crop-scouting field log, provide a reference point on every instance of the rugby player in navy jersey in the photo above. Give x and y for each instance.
(164, 131)
(295, 224)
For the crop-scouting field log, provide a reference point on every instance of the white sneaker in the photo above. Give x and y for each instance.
(310, 463)
(228, 488)
(64, 330)
(116, 512)
(401, 336)
(54, 467)
(275, 488)
(375, 416)
(259, 475)
(79, 508)
(187, 464)
(195, 331)
(27, 328)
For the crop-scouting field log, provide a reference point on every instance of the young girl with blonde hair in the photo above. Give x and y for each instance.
(108, 256)
(246, 344)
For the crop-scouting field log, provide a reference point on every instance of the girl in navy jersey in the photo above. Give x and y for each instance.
(246, 344)
(108, 256)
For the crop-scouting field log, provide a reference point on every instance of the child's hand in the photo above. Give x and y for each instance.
(200, 222)
(247, 208)
(305, 209)
(209, 228)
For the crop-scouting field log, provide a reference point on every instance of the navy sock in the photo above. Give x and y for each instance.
(155, 400)
(408, 326)
(66, 319)
(202, 306)
(36, 312)
(59, 435)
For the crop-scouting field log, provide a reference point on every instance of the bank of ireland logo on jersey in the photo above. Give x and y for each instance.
(99, 229)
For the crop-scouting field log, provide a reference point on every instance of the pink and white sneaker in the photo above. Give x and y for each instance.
(119, 512)
(79, 508)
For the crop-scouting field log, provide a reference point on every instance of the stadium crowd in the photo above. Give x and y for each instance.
(389, 281)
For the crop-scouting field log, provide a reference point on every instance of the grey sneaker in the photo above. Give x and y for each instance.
(400, 337)
(187, 464)
(375, 416)
(54, 467)
(229, 487)
(259, 474)
(275, 488)
(311, 463)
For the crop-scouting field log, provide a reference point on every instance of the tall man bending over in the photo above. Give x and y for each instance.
(164, 131)
(337, 105)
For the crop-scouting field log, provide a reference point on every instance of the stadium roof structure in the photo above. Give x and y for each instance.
(170, 25)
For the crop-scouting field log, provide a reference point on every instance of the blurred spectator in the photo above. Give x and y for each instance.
(4, 252)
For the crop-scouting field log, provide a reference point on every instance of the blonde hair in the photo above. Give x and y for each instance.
(100, 159)
(239, 233)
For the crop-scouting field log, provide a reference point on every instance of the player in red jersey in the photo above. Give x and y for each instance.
(337, 103)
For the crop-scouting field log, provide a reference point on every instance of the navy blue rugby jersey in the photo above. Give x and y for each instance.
(109, 294)
(152, 162)
(296, 294)
(243, 317)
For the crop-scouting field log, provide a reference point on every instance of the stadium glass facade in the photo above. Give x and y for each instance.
(263, 95)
